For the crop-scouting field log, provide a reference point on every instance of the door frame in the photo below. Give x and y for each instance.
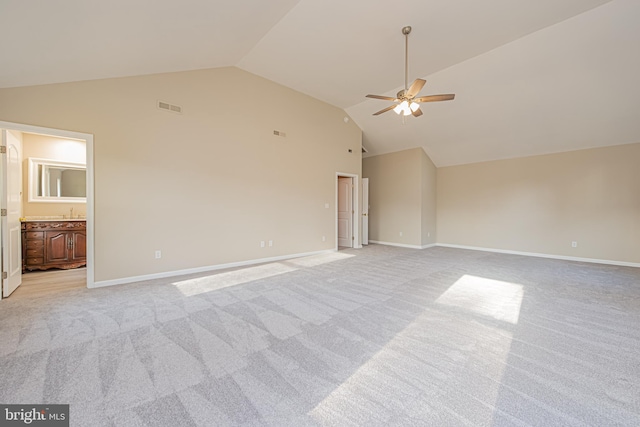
(365, 211)
(88, 138)
(357, 244)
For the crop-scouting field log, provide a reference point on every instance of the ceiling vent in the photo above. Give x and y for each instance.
(279, 133)
(169, 107)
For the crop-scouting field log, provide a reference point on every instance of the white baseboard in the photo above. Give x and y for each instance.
(503, 251)
(402, 245)
(534, 254)
(174, 273)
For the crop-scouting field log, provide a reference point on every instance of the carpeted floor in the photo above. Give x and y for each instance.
(380, 336)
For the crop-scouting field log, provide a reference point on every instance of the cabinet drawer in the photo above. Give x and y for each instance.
(35, 234)
(33, 244)
(35, 261)
(36, 252)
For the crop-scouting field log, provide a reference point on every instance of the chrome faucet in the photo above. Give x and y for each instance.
(71, 213)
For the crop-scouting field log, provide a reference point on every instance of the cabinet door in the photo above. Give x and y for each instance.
(79, 248)
(56, 246)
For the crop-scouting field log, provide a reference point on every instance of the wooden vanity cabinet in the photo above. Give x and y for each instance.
(53, 244)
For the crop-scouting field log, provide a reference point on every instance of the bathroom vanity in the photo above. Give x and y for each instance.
(54, 244)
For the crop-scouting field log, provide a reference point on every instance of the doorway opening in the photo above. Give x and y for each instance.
(12, 250)
(347, 209)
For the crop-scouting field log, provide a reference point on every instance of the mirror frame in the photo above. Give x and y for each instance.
(33, 181)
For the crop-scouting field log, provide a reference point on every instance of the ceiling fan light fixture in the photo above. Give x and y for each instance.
(403, 108)
(414, 106)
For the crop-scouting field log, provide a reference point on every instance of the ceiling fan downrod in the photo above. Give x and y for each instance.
(406, 31)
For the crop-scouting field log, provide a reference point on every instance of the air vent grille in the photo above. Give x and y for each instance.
(169, 107)
(279, 133)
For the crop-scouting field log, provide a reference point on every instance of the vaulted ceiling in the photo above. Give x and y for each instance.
(530, 77)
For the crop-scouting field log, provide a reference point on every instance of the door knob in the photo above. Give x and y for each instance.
(364, 214)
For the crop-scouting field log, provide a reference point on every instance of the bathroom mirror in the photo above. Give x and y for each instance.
(56, 181)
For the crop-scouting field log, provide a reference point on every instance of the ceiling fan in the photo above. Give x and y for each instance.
(405, 101)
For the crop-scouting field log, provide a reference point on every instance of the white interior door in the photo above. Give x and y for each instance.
(12, 202)
(365, 211)
(345, 212)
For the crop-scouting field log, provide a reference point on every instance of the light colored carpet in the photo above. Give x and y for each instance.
(380, 336)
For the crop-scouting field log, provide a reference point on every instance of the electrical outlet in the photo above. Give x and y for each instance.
(262, 244)
(270, 243)
(158, 254)
(574, 244)
(401, 234)
(324, 238)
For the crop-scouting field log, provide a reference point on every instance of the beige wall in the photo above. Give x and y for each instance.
(206, 186)
(541, 204)
(402, 196)
(429, 199)
(52, 148)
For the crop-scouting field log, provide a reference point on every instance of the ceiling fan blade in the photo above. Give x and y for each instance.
(434, 98)
(417, 113)
(385, 110)
(386, 98)
(416, 87)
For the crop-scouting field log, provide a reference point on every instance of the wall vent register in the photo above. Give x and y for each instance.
(169, 107)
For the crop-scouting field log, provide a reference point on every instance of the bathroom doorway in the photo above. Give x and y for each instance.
(41, 135)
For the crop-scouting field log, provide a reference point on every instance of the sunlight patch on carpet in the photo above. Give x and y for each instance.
(314, 260)
(232, 278)
(488, 297)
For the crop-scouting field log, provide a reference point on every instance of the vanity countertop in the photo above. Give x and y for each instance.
(49, 219)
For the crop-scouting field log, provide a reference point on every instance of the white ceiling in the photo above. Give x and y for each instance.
(530, 77)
